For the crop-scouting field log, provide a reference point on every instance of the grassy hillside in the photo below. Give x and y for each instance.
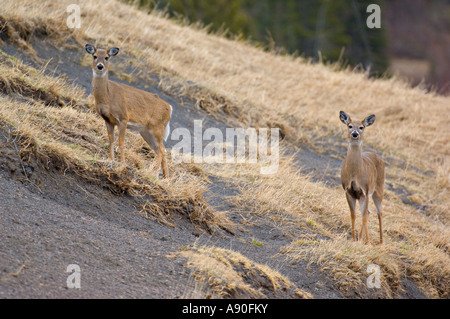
(245, 86)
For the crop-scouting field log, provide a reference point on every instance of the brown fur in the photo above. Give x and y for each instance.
(120, 104)
(362, 175)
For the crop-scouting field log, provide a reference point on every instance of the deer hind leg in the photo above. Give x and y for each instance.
(159, 149)
(161, 159)
(161, 154)
(148, 136)
(110, 130)
(162, 151)
(377, 201)
(364, 204)
(351, 204)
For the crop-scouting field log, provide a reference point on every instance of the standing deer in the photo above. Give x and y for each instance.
(125, 106)
(362, 174)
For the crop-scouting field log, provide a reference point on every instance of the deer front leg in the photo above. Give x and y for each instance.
(377, 200)
(364, 203)
(122, 129)
(110, 130)
(351, 204)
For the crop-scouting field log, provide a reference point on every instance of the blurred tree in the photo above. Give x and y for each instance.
(327, 30)
(220, 14)
(322, 29)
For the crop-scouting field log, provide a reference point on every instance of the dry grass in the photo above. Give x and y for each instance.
(262, 89)
(229, 274)
(72, 137)
(415, 245)
(29, 83)
(266, 87)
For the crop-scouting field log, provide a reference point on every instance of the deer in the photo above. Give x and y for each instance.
(362, 175)
(124, 106)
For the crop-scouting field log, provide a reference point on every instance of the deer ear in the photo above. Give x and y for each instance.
(344, 117)
(369, 120)
(90, 49)
(113, 51)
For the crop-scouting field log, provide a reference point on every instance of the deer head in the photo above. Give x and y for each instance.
(355, 127)
(100, 60)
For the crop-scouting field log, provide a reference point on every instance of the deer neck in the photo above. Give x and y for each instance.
(353, 161)
(100, 88)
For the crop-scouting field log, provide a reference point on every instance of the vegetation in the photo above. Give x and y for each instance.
(331, 31)
(321, 29)
(228, 272)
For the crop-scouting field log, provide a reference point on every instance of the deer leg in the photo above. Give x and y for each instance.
(377, 201)
(364, 204)
(367, 228)
(161, 159)
(110, 130)
(160, 156)
(148, 136)
(159, 149)
(122, 130)
(158, 139)
(351, 204)
(162, 150)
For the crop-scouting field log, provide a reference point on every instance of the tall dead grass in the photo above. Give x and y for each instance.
(261, 88)
(229, 274)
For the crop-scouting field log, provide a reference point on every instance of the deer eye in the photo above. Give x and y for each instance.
(106, 58)
(95, 57)
(361, 127)
(350, 126)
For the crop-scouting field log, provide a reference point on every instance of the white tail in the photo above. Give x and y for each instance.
(362, 174)
(167, 130)
(124, 106)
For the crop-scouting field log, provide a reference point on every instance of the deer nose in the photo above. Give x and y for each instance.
(100, 66)
(355, 134)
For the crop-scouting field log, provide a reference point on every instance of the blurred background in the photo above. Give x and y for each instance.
(413, 41)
